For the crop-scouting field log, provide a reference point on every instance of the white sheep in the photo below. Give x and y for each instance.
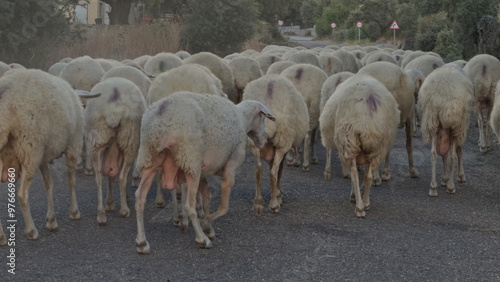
(3, 68)
(279, 67)
(217, 66)
(328, 88)
(444, 101)
(304, 57)
(291, 125)
(308, 80)
(495, 113)
(183, 54)
(265, 60)
(139, 78)
(112, 132)
(330, 64)
(379, 56)
(360, 121)
(402, 87)
(484, 72)
(190, 136)
(348, 60)
(244, 70)
(82, 73)
(189, 77)
(42, 118)
(108, 64)
(142, 60)
(162, 62)
(57, 68)
(426, 64)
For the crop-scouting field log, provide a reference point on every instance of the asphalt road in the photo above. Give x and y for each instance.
(406, 235)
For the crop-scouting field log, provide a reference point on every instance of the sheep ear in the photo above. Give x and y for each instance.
(267, 113)
(86, 94)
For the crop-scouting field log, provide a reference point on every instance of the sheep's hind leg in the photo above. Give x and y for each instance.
(386, 173)
(461, 173)
(433, 190)
(74, 213)
(275, 175)
(327, 173)
(258, 202)
(122, 183)
(451, 182)
(409, 148)
(360, 206)
(159, 200)
(193, 182)
(23, 195)
(147, 177)
(97, 164)
(206, 198)
(49, 188)
(446, 171)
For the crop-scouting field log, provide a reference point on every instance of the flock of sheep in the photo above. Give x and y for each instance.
(185, 117)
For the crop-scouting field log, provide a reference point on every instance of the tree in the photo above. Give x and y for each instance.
(218, 26)
(25, 26)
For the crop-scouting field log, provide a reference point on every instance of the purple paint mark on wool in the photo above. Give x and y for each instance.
(163, 107)
(485, 70)
(270, 90)
(299, 73)
(339, 81)
(373, 102)
(273, 59)
(435, 66)
(115, 96)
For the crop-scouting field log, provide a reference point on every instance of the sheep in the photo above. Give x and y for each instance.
(57, 68)
(378, 56)
(36, 107)
(82, 73)
(244, 70)
(112, 128)
(162, 62)
(495, 113)
(183, 54)
(217, 66)
(444, 101)
(279, 67)
(425, 63)
(402, 86)
(348, 60)
(330, 64)
(3, 68)
(292, 123)
(142, 60)
(108, 64)
(308, 80)
(304, 57)
(411, 56)
(265, 60)
(460, 63)
(189, 77)
(327, 90)
(484, 72)
(133, 74)
(360, 121)
(190, 136)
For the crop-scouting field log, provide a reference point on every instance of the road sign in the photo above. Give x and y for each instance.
(333, 25)
(280, 23)
(394, 25)
(359, 24)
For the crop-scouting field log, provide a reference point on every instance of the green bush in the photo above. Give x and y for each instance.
(447, 46)
(218, 26)
(428, 28)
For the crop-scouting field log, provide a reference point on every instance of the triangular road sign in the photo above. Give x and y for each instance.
(394, 25)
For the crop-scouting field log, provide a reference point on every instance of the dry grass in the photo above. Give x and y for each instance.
(121, 42)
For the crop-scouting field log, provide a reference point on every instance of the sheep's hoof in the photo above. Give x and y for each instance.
(204, 243)
(353, 198)
(484, 149)
(461, 179)
(176, 220)
(314, 160)
(51, 224)
(305, 167)
(451, 190)
(143, 247)
(433, 192)
(160, 204)
(274, 209)
(110, 207)
(31, 234)
(125, 212)
(184, 227)
(360, 213)
(208, 229)
(327, 175)
(101, 217)
(414, 173)
(443, 182)
(136, 181)
(3, 240)
(258, 206)
(386, 176)
(74, 214)
(377, 181)
(89, 172)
